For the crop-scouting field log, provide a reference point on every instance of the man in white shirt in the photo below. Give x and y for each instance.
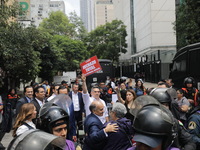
(38, 101)
(77, 100)
(55, 92)
(95, 93)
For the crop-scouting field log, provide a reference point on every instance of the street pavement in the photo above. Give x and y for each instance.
(8, 136)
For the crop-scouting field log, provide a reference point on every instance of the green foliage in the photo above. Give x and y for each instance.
(80, 31)
(187, 23)
(65, 51)
(108, 41)
(8, 12)
(72, 52)
(63, 54)
(57, 24)
(18, 57)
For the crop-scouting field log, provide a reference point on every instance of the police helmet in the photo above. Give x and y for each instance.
(161, 95)
(156, 121)
(37, 140)
(142, 101)
(51, 114)
(189, 80)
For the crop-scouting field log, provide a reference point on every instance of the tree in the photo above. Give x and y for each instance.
(19, 57)
(79, 28)
(108, 41)
(72, 52)
(19, 54)
(57, 24)
(8, 12)
(65, 51)
(187, 25)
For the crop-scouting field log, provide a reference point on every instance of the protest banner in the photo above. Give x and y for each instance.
(90, 66)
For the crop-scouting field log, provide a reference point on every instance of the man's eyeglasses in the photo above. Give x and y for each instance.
(96, 91)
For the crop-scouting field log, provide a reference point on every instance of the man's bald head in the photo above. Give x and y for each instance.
(97, 108)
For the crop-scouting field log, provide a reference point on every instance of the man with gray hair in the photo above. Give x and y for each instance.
(122, 138)
(93, 127)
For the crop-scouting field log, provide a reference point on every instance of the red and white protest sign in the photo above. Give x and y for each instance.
(90, 66)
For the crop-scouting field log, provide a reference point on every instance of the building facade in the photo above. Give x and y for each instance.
(151, 38)
(123, 10)
(87, 14)
(155, 37)
(104, 12)
(42, 9)
(37, 10)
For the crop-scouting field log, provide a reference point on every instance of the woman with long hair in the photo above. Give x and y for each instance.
(128, 102)
(139, 88)
(24, 119)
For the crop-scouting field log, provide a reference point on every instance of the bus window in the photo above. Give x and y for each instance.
(183, 65)
(174, 68)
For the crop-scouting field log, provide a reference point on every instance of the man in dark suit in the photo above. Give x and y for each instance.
(72, 126)
(78, 104)
(28, 96)
(38, 100)
(95, 134)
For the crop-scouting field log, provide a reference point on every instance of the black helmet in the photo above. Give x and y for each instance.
(161, 95)
(51, 114)
(189, 80)
(37, 140)
(142, 101)
(155, 121)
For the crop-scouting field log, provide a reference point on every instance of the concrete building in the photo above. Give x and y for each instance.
(155, 37)
(151, 38)
(123, 10)
(37, 10)
(87, 14)
(42, 9)
(104, 12)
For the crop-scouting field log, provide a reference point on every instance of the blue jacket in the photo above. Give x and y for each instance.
(95, 136)
(138, 91)
(120, 140)
(72, 124)
(194, 127)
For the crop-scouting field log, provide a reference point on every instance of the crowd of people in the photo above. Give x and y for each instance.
(158, 118)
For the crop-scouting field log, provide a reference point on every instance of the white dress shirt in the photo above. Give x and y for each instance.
(39, 102)
(88, 100)
(75, 101)
(24, 128)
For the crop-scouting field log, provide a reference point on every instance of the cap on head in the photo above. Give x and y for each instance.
(140, 80)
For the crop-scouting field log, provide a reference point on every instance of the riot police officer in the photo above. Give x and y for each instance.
(37, 140)
(154, 128)
(54, 120)
(190, 92)
(194, 125)
(184, 139)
